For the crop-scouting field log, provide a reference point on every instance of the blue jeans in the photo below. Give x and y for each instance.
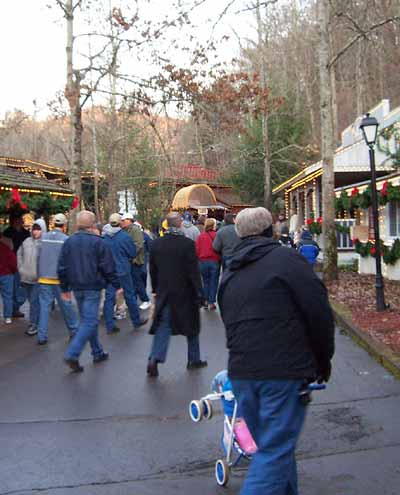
(19, 294)
(210, 275)
(88, 305)
(6, 291)
(140, 287)
(47, 294)
(275, 416)
(143, 274)
(162, 336)
(130, 299)
(32, 293)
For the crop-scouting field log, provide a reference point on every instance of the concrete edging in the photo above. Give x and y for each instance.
(379, 351)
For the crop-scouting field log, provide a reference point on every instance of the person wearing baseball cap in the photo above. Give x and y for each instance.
(124, 251)
(136, 233)
(49, 284)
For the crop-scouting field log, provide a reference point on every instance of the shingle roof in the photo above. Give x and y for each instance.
(26, 182)
(193, 172)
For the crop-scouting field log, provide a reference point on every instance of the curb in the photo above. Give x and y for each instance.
(379, 351)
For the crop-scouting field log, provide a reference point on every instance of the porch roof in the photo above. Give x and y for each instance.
(393, 178)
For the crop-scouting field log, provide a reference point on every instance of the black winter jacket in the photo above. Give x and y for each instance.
(276, 313)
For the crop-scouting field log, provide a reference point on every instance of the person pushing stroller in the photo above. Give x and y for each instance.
(280, 332)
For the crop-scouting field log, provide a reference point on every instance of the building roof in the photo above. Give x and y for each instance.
(26, 182)
(351, 158)
(193, 172)
(393, 179)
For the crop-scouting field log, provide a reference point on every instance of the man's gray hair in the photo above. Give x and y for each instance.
(85, 220)
(252, 221)
(174, 219)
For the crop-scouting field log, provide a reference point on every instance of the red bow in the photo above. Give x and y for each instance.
(75, 203)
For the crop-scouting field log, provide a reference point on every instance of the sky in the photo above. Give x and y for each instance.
(33, 38)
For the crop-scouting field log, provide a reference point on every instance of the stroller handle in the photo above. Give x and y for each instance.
(316, 386)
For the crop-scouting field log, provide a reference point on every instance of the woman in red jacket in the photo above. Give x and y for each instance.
(209, 262)
(8, 267)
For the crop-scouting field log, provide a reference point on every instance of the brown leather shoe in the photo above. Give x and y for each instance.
(152, 368)
(74, 365)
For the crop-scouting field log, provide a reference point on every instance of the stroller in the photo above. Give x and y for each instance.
(237, 441)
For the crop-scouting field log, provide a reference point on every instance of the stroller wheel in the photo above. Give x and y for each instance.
(196, 410)
(222, 472)
(207, 409)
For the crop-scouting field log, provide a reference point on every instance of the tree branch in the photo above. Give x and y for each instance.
(358, 36)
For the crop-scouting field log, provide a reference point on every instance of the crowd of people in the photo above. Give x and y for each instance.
(276, 313)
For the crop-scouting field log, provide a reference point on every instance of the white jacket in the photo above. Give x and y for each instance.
(27, 257)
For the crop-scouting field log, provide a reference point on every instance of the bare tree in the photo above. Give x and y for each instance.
(327, 148)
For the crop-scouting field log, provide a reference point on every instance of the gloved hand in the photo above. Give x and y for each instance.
(324, 373)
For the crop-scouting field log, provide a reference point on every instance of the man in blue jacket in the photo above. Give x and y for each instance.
(124, 252)
(85, 266)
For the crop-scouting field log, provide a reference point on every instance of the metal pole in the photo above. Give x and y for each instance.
(380, 294)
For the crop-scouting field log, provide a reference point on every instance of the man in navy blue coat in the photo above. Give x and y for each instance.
(85, 266)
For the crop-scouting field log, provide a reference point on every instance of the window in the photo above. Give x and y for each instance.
(394, 219)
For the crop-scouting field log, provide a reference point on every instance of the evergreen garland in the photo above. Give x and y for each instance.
(364, 200)
(390, 254)
(43, 204)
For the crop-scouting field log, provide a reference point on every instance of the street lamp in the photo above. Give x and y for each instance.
(369, 128)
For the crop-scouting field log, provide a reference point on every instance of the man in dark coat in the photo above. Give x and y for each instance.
(176, 282)
(85, 266)
(280, 336)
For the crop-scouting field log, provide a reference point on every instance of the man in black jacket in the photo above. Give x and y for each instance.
(280, 336)
(85, 266)
(176, 282)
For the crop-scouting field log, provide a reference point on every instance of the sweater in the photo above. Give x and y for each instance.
(226, 240)
(8, 260)
(204, 247)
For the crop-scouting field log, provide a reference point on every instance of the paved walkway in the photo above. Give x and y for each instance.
(112, 431)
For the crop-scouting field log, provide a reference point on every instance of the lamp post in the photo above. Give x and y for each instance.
(369, 128)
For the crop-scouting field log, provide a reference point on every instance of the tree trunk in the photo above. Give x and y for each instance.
(113, 177)
(264, 113)
(72, 94)
(359, 80)
(330, 270)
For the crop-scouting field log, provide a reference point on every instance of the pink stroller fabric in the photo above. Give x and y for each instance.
(243, 437)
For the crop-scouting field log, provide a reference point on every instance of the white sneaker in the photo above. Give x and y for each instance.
(145, 305)
(7, 321)
(120, 316)
(32, 330)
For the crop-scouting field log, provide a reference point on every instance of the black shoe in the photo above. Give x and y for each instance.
(152, 368)
(101, 358)
(194, 365)
(113, 330)
(141, 323)
(18, 314)
(74, 365)
(42, 342)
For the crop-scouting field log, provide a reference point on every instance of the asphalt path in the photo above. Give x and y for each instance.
(113, 431)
